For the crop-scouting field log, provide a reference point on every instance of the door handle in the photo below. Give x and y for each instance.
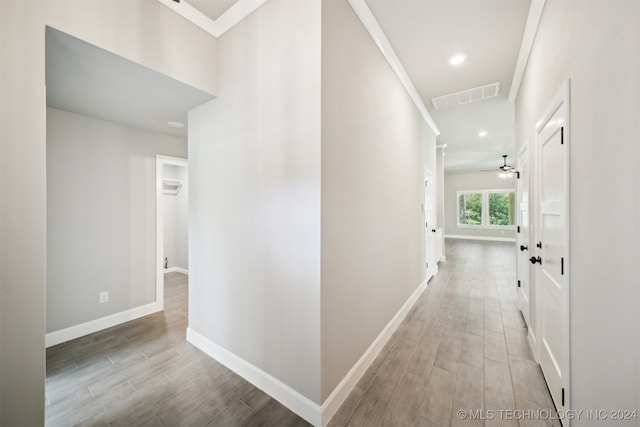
(523, 248)
(535, 259)
(433, 230)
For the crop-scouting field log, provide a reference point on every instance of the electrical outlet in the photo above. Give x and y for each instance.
(104, 297)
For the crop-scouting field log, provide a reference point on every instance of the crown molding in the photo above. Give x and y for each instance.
(231, 17)
(369, 21)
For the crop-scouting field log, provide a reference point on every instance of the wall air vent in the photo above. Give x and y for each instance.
(171, 186)
(466, 96)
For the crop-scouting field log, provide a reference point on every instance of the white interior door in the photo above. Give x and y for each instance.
(523, 296)
(430, 225)
(552, 233)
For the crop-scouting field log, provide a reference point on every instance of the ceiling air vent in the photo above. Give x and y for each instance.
(466, 96)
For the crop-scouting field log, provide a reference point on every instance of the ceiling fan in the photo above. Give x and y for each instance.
(505, 170)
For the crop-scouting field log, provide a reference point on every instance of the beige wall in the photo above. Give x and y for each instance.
(596, 44)
(143, 31)
(375, 149)
(454, 182)
(101, 216)
(254, 207)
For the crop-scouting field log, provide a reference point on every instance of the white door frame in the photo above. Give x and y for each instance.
(161, 161)
(524, 236)
(560, 100)
(430, 224)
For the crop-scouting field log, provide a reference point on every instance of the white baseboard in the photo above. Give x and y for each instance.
(531, 339)
(77, 331)
(340, 393)
(176, 270)
(487, 238)
(443, 259)
(432, 272)
(312, 412)
(275, 388)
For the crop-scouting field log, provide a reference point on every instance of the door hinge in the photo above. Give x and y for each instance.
(517, 175)
(562, 135)
(539, 245)
(563, 396)
(562, 266)
(518, 283)
(518, 228)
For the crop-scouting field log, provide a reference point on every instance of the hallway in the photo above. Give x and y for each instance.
(461, 348)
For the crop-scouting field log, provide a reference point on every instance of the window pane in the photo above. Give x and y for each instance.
(470, 209)
(502, 209)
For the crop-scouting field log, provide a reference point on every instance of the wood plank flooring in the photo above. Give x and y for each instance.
(462, 347)
(144, 373)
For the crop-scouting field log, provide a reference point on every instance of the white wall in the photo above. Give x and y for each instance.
(101, 220)
(597, 45)
(143, 31)
(454, 182)
(254, 214)
(176, 220)
(375, 149)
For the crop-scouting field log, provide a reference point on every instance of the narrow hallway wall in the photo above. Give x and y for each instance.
(375, 150)
(254, 213)
(596, 45)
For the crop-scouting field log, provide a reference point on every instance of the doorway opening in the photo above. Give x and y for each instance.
(172, 226)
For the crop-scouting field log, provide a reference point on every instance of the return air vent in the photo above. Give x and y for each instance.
(171, 186)
(466, 96)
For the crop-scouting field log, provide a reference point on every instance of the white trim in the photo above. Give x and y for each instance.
(318, 415)
(162, 160)
(528, 37)
(232, 16)
(488, 238)
(340, 393)
(176, 270)
(77, 331)
(369, 21)
(275, 388)
(533, 345)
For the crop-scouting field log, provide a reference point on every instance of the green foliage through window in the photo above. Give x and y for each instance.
(470, 208)
(500, 206)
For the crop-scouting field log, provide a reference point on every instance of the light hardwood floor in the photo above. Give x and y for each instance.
(145, 373)
(462, 347)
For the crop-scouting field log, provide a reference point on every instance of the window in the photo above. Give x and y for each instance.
(502, 208)
(486, 208)
(470, 209)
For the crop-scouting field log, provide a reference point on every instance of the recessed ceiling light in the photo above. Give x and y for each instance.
(483, 133)
(176, 125)
(457, 59)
